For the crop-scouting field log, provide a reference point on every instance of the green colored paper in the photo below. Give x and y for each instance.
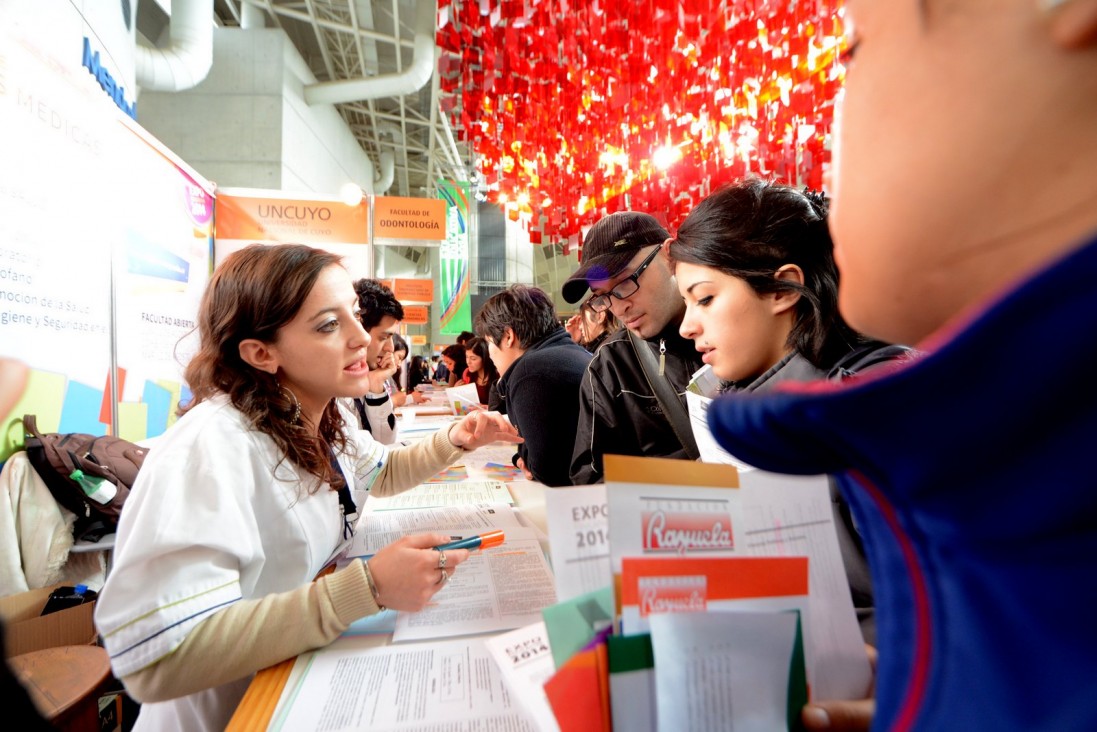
(571, 625)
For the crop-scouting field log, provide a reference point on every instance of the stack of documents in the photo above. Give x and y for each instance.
(702, 572)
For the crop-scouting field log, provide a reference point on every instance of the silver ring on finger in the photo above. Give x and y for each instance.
(441, 559)
(444, 578)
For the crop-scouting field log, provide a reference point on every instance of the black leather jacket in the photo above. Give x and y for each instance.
(618, 412)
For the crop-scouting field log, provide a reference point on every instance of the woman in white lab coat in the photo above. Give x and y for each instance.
(247, 497)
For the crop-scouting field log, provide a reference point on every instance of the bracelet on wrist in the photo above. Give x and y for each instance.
(372, 586)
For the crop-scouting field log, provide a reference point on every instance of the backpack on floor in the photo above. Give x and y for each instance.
(90, 476)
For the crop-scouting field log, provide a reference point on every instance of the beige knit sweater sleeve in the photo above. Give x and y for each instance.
(407, 467)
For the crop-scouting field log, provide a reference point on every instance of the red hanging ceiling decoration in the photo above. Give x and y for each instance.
(576, 109)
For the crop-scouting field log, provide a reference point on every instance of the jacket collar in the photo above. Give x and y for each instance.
(555, 338)
(793, 367)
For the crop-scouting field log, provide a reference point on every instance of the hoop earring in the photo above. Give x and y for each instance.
(296, 404)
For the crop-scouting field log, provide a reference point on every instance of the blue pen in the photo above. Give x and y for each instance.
(480, 541)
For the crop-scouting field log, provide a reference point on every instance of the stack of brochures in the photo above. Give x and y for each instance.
(676, 571)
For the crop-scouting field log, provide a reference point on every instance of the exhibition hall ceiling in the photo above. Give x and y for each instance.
(353, 39)
(564, 111)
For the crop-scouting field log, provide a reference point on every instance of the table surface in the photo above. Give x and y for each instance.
(261, 699)
(57, 678)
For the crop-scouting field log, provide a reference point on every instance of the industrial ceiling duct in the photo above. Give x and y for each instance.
(388, 171)
(408, 81)
(187, 59)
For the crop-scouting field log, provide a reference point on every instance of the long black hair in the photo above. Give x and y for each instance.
(457, 353)
(479, 346)
(752, 228)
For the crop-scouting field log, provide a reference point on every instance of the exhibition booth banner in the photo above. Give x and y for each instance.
(104, 237)
(162, 265)
(414, 221)
(413, 290)
(456, 310)
(247, 216)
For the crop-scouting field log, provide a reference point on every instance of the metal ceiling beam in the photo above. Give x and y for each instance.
(328, 24)
(358, 39)
(320, 39)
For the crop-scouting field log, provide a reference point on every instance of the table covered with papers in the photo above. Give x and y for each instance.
(677, 596)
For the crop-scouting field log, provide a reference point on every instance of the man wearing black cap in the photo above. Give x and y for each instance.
(620, 409)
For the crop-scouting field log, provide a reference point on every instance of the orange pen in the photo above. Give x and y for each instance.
(480, 541)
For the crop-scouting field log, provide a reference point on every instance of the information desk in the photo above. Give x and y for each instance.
(261, 699)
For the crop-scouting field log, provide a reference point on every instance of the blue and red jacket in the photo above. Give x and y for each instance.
(972, 475)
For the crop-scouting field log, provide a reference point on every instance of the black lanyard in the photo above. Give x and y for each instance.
(346, 501)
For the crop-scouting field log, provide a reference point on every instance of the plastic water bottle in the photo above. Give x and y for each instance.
(97, 489)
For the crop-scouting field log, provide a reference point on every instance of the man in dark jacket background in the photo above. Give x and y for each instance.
(627, 273)
(541, 368)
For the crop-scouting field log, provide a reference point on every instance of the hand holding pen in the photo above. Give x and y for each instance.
(408, 572)
(469, 543)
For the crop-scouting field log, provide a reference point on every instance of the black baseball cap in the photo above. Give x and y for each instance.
(610, 245)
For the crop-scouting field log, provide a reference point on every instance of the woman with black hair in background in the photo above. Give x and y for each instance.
(481, 369)
(590, 328)
(454, 358)
(418, 373)
(397, 381)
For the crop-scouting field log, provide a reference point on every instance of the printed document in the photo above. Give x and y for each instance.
(525, 659)
(427, 495)
(791, 516)
(710, 450)
(723, 671)
(377, 529)
(496, 452)
(661, 507)
(578, 524)
(464, 398)
(657, 506)
(724, 584)
(407, 688)
(501, 588)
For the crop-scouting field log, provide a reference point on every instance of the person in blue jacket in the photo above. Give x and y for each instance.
(965, 221)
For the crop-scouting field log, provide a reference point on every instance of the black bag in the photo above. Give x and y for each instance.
(55, 457)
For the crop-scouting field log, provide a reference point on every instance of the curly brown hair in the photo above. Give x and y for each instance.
(254, 292)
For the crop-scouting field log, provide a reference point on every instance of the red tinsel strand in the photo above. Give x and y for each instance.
(578, 109)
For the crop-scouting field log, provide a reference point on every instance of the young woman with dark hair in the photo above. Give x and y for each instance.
(481, 369)
(247, 497)
(454, 358)
(399, 355)
(755, 264)
(418, 373)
